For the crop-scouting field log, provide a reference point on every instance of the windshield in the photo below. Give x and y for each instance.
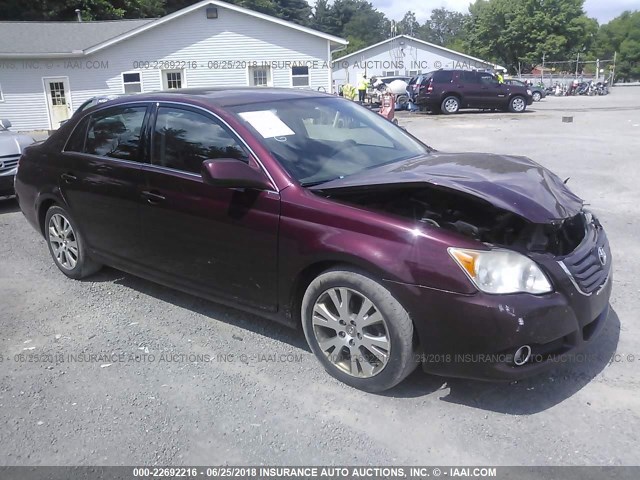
(322, 139)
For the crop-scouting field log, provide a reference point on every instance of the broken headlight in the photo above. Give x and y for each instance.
(501, 271)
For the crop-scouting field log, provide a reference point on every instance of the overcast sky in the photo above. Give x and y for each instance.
(603, 10)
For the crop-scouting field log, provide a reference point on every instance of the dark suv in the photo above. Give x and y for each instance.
(448, 91)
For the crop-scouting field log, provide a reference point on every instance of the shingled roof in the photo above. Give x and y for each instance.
(31, 38)
(68, 39)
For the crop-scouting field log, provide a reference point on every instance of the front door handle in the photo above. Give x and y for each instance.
(153, 197)
(68, 177)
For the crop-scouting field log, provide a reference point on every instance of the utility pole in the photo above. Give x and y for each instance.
(542, 73)
(613, 72)
(597, 70)
(577, 64)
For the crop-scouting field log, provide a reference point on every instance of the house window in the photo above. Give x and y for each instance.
(300, 76)
(172, 79)
(1, 94)
(259, 76)
(390, 73)
(413, 73)
(132, 82)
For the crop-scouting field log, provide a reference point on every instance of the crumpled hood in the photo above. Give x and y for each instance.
(515, 184)
(13, 143)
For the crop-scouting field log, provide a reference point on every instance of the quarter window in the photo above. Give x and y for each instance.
(300, 76)
(131, 82)
(182, 140)
(115, 133)
(79, 135)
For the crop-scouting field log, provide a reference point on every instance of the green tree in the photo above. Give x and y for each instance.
(360, 23)
(519, 32)
(324, 18)
(622, 36)
(409, 25)
(444, 27)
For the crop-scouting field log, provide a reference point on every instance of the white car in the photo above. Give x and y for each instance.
(11, 147)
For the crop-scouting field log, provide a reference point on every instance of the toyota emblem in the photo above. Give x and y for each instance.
(602, 256)
(1, 164)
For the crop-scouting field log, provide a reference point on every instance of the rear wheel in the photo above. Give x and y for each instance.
(358, 330)
(450, 105)
(517, 104)
(66, 245)
(537, 96)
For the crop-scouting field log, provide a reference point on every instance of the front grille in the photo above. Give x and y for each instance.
(585, 265)
(8, 163)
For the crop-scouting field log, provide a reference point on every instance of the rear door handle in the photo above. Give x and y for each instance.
(68, 177)
(153, 197)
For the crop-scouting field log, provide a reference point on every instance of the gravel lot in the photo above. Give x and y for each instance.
(161, 402)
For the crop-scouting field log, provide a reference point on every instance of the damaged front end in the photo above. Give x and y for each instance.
(541, 267)
(470, 216)
(505, 201)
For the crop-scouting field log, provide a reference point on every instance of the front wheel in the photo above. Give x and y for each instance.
(517, 104)
(66, 245)
(358, 330)
(537, 96)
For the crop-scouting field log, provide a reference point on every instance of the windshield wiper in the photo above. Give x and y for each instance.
(313, 184)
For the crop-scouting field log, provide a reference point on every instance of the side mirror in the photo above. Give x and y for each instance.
(232, 173)
(4, 123)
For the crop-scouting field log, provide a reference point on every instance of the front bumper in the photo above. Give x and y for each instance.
(6, 183)
(476, 336)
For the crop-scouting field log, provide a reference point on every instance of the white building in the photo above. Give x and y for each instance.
(401, 56)
(48, 69)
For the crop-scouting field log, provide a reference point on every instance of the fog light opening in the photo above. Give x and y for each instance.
(522, 355)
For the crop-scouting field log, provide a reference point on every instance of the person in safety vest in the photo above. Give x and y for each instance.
(363, 83)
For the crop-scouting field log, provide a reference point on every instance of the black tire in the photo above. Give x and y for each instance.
(402, 101)
(450, 105)
(401, 360)
(84, 265)
(537, 96)
(517, 104)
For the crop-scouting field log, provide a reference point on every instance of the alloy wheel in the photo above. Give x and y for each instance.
(451, 105)
(518, 104)
(351, 332)
(63, 241)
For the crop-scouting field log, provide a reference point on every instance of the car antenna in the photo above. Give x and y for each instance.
(566, 180)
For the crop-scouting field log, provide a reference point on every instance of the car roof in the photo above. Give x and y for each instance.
(222, 96)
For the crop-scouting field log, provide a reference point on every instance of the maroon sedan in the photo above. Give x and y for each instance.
(311, 210)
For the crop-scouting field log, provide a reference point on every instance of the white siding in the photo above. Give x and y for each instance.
(232, 37)
(401, 58)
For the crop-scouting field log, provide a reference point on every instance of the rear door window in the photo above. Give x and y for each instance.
(469, 77)
(115, 132)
